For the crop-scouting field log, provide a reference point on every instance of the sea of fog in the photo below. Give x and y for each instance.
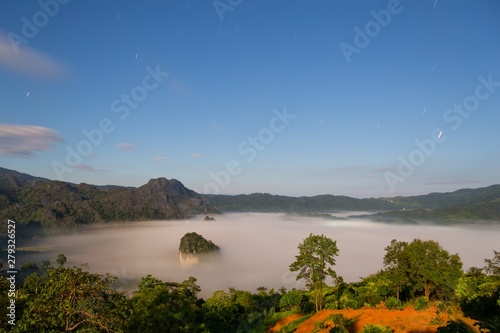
(256, 248)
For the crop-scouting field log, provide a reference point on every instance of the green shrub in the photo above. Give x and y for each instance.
(444, 307)
(371, 328)
(319, 326)
(339, 324)
(350, 304)
(453, 327)
(339, 320)
(422, 303)
(308, 307)
(332, 305)
(294, 324)
(338, 329)
(392, 303)
(292, 300)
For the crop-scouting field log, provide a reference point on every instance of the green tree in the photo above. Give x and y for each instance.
(32, 284)
(479, 294)
(61, 260)
(493, 265)
(166, 307)
(424, 267)
(433, 269)
(74, 300)
(46, 266)
(221, 313)
(316, 256)
(396, 263)
(292, 300)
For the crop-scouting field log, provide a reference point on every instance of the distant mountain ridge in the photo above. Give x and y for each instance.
(461, 206)
(265, 202)
(22, 177)
(59, 205)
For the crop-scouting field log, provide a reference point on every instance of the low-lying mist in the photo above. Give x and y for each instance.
(256, 249)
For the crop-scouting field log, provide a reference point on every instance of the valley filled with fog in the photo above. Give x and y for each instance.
(256, 248)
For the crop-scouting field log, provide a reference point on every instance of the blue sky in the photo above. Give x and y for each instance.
(284, 97)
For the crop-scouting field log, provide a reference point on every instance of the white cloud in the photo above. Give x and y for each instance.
(125, 146)
(197, 155)
(25, 140)
(28, 61)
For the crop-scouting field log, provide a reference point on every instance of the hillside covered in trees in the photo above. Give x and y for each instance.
(59, 206)
(462, 206)
(56, 206)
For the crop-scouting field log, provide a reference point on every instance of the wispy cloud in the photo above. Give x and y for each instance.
(198, 155)
(88, 167)
(125, 146)
(28, 61)
(158, 159)
(25, 140)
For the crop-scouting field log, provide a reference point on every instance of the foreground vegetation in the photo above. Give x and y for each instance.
(63, 299)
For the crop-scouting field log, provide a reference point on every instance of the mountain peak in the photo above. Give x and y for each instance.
(171, 187)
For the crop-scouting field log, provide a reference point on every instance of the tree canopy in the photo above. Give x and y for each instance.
(73, 300)
(195, 243)
(422, 268)
(166, 307)
(314, 263)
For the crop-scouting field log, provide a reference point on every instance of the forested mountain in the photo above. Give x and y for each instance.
(19, 176)
(449, 199)
(464, 205)
(60, 206)
(265, 202)
(470, 212)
